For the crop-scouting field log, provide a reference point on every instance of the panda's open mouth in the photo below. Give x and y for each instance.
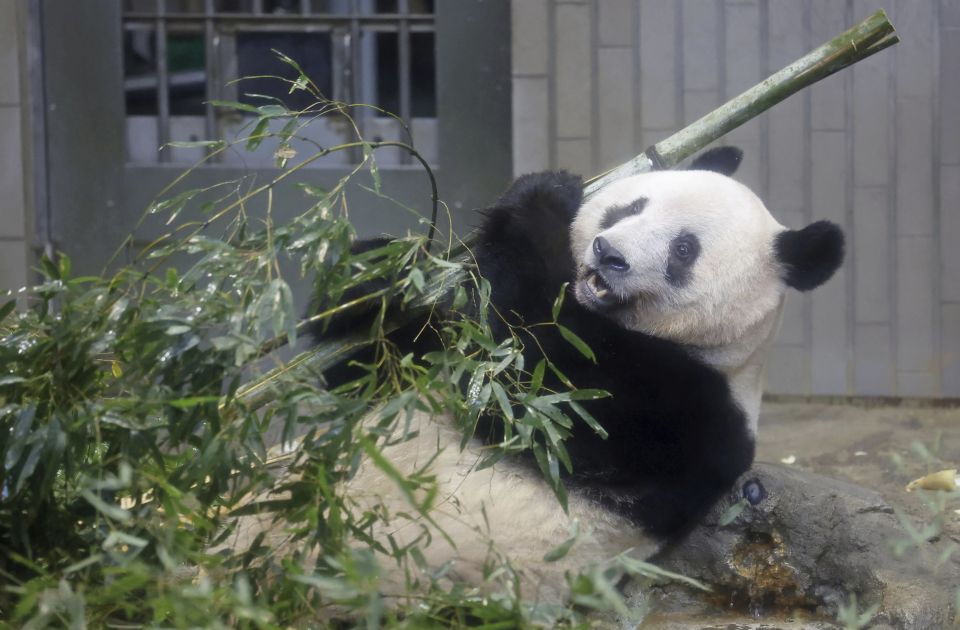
(599, 290)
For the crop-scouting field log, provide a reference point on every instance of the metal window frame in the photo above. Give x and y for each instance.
(96, 198)
(346, 29)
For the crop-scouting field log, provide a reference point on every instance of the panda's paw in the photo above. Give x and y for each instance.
(554, 195)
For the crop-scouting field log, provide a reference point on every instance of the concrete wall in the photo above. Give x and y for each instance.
(876, 149)
(14, 242)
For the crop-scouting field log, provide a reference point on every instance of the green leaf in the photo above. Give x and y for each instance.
(107, 509)
(235, 105)
(21, 433)
(192, 144)
(192, 401)
(313, 191)
(29, 465)
(561, 550)
(577, 342)
(258, 134)
(50, 270)
(368, 156)
(558, 302)
(502, 399)
(589, 419)
(536, 381)
(7, 308)
(731, 513)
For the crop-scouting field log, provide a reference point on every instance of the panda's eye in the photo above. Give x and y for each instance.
(683, 249)
(753, 491)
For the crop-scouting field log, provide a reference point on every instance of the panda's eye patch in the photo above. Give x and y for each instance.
(615, 214)
(753, 491)
(684, 249)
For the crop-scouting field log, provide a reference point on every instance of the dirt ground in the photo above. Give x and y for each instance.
(879, 446)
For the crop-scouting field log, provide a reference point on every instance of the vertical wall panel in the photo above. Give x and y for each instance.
(871, 284)
(574, 84)
(871, 122)
(531, 125)
(873, 369)
(787, 135)
(915, 269)
(743, 69)
(950, 317)
(614, 22)
(948, 84)
(701, 57)
(530, 47)
(950, 231)
(787, 371)
(827, 97)
(574, 155)
(659, 66)
(914, 118)
(615, 82)
(828, 179)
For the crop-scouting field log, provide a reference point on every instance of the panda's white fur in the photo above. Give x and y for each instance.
(730, 311)
(720, 318)
(505, 510)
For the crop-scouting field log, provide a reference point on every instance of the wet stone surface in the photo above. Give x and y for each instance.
(826, 525)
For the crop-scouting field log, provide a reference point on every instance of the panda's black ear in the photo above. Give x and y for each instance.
(808, 257)
(723, 160)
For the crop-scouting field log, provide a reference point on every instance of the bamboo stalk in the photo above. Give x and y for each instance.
(855, 44)
(863, 40)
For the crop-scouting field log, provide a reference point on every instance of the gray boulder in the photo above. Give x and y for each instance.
(805, 546)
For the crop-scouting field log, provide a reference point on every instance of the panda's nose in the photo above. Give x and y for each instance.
(608, 255)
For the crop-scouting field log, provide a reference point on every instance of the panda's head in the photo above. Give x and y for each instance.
(695, 257)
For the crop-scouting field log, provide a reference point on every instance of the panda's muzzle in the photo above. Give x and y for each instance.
(598, 291)
(609, 257)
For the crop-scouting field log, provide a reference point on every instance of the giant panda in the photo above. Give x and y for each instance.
(676, 281)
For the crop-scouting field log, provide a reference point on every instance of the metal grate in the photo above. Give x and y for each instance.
(181, 54)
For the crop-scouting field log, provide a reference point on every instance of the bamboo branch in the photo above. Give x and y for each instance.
(863, 40)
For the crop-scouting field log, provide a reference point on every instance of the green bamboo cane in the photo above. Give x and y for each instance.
(855, 44)
(863, 40)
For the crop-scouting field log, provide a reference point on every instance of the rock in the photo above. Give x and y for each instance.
(808, 544)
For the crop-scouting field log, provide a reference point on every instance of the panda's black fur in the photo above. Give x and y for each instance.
(676, 437)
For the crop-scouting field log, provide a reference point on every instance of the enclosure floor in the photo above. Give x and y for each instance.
(861, 444)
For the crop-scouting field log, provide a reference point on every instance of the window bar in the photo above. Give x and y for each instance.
(258, 7)
(211, 46)
(163, 84)
(403, 40)
(353, 75)
(305, 7)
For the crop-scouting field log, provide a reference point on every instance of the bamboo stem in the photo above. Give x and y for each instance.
(855, 44)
